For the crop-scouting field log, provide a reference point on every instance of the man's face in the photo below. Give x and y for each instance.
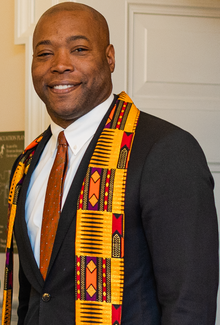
(72, 65)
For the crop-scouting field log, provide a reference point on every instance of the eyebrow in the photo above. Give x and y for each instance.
(76, 37)
(68, 40)
(45, 42)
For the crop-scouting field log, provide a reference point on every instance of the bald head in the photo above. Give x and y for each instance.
(96, 18)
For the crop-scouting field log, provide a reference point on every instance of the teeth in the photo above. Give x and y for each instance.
(62, 86)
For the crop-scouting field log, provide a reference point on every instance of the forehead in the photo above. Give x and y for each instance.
(60, 26)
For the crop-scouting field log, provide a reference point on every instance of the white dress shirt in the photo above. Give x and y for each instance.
(78, 135)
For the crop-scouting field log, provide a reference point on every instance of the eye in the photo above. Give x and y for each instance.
(80, 50)
(44, 54)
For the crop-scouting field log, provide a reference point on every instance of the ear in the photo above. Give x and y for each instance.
(110, 55)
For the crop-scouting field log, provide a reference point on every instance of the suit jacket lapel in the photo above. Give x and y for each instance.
(31, 269)
(69, 209)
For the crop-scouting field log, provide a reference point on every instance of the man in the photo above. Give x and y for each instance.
(136, 239)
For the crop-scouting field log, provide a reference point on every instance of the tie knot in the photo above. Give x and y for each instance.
(62, 138)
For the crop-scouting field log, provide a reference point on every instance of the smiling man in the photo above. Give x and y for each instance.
(112, 208)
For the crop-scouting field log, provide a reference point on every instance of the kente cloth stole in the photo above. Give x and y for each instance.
(100, 221)
(16, 184)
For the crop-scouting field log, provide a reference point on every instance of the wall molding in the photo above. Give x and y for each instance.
(27, 13)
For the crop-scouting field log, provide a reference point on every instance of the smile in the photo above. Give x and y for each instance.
(63, 86)
(62, 89)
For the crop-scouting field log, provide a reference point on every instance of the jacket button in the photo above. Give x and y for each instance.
(46, 297)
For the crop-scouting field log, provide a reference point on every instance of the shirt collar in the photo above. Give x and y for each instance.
(83, 129)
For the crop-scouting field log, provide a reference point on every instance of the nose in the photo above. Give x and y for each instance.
(62, 62)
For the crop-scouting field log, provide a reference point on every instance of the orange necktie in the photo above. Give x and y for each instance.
(52, 204)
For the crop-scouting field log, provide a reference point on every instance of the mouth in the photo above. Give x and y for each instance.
(63, 88)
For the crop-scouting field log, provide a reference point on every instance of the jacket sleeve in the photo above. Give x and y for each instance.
(24, 294)
(180, 222)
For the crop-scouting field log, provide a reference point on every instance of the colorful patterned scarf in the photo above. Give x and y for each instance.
(100, 221)
(16, 184)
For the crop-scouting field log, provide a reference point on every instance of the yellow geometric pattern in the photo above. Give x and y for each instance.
(99, 246)
(101, 209)
(91, 266)
(6, 312)
(95, 176)
(130, 126)
(117, 283)
(84, 312)
(108, 146)
(93, 200)
(91, 290)
(119, 191)
(12, 193)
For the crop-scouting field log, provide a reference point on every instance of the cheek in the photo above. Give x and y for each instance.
(38, 72)
(36, 75)
(38, 82)
(91, 70)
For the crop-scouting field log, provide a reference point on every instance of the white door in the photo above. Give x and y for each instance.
(167, 59)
